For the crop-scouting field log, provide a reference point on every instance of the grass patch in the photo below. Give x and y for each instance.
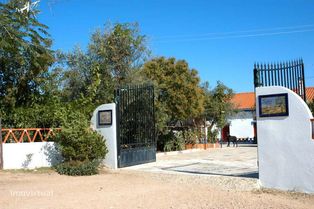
(35, 170)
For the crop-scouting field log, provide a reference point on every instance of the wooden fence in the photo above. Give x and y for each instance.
(20, 135)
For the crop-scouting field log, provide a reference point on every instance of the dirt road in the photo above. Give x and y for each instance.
(135, 189)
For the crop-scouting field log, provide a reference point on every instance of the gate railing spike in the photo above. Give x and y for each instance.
(283, 73)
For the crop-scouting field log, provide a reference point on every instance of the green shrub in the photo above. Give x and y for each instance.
(190, 137)
(78, 142)
(212, 136)
(78, 168)
(80, 146)
(173, 141)
(47, 115)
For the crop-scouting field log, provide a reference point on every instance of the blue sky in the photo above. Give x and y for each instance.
(221, 39)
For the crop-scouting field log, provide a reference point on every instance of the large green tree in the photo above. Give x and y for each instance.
(178, 95)
(120, 48)
(74, 74)
(218, 105)
(110, 60)
(25, 55)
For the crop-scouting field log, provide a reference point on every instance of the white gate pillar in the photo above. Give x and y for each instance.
(104, 122)
(285, 144)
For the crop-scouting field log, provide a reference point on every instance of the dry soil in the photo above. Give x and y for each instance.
(135, 189)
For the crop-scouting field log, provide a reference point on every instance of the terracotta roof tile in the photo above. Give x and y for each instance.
(309, 94)
(247, 100)
(244, 100)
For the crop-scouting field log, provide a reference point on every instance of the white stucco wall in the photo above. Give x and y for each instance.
(285, 145)
(241, 124)
(109, 133)
(29, 155)
(242, 128)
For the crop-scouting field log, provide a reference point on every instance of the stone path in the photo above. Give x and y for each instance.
(226, 161)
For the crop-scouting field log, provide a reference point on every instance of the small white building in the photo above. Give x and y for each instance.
(242, 123)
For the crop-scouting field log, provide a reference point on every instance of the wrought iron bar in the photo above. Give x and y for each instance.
(288, 74)
(303, 80)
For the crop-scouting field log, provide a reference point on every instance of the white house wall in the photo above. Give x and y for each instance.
(241, 125)
(241, 128)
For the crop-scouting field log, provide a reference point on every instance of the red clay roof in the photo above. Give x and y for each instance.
(244, 100)
(247, 100)
(309, 94)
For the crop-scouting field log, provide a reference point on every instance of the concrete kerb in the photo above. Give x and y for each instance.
(159, 154)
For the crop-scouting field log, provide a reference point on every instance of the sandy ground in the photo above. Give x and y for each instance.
(129, 189)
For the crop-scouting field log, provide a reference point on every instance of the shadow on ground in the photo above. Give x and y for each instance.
(222, 171)
(243, 175)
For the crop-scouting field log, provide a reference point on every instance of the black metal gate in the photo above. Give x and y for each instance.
(289, 75)
(135, 125)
